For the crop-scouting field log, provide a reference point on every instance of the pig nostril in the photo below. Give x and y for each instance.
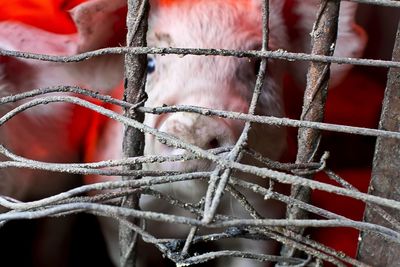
(214, 143)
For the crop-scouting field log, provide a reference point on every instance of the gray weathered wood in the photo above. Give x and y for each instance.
(134, 92)
(385, 180)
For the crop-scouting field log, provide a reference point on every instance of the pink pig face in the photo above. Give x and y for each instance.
(216, 82)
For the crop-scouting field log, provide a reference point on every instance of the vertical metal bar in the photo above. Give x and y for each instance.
(133, 143)
(324, 35)
(385, 180)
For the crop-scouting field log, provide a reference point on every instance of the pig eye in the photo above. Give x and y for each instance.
(151, 65)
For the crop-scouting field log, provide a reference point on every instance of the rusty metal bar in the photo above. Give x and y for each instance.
(324, 35)
(385, 180)
(134, 92)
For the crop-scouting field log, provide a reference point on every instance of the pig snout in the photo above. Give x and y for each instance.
(204, 132)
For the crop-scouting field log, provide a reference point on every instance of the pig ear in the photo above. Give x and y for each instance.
(350, 41)
(100, 23)
(95, 22)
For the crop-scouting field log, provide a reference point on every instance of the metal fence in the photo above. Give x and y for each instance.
(380, 227)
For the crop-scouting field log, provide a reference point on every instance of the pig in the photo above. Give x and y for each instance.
(212, 82)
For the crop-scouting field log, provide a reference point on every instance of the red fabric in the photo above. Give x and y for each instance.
(341, 239)
(50, 15)
(357, 102)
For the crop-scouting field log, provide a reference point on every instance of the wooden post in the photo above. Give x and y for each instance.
(385, 180)
(133, 143)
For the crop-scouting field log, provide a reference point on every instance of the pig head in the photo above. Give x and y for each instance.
(224, 83)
